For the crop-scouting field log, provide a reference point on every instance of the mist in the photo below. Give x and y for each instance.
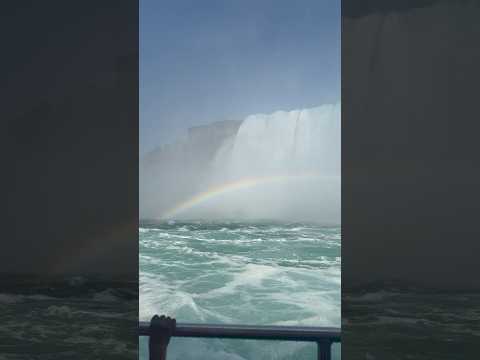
(280, 166)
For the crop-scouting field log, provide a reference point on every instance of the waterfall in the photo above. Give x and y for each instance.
(280, 166)
(284, 145)
(290, 142)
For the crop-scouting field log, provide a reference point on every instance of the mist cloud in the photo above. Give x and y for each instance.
(299, 150)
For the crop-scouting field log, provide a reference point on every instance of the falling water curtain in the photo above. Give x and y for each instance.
(408, 180)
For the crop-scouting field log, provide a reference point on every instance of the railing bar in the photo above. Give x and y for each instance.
(287, 333)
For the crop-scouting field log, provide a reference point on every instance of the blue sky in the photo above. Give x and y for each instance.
(203, 61)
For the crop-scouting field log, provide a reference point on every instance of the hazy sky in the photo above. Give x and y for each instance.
(204, 61)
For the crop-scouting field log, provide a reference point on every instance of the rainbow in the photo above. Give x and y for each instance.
(233, 186)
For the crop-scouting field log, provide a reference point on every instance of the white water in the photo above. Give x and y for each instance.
(287, 144)
(281, 144)
(240, 273)
(291, 142)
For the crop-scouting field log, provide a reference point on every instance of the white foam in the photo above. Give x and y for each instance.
(106, 296)
(59, 310)
(253, 275)
(17, 298)
(371, 297)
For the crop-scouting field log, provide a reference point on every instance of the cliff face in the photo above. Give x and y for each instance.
(201, 143)
(174, 165)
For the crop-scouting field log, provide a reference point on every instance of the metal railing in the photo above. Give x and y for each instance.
(323, 336)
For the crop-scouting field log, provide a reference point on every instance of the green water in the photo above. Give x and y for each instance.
(241, 273)
(395, 322)
(68, 318)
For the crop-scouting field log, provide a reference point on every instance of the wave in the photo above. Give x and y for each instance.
(18, 298)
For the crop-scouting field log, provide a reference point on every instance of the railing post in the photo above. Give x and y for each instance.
(324, 351)
(155, 348)
(161, 329)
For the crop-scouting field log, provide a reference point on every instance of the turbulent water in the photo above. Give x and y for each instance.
(394, 322)
(69, 318)
(241, 273)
